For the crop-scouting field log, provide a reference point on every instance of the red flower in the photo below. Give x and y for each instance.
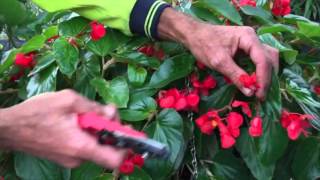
(138, 160)
(317, 89)
(17, 76)
(249, 81)
(248, 3)
(24, 60)
(227, 140)
(227, 80)
(159, 54)
(281, 7)
(255, 129)
(208, 122)
(234, 120)
(203, 87)
(179, 100)
(245, 107)
(193, 99)
(127, 167)
(295, 124)
(148, 50)
(97, 31)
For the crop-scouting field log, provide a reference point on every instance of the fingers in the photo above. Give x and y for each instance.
(111, 113)
(226, 65)
(105, 156)
(273, 56)
(250, 43)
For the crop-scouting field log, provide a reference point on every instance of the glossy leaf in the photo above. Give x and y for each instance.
(45, 81)
(115, 91)
(260, 14)
(51, 31)
(310, 30)
(168, 129)
(33, 44)
(28, 168)
(306, 163)
(139, 108)
(43, 62)
(138, 58)
(272, 106)
(136, 75)
(276, 28)
(171, 70)
(89, 69)
(73, 26)
(108, 43)
(223, 7)
(219, 98)
(66, 55)
(249, 153)
(86, 171)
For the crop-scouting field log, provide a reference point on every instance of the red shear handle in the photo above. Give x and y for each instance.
(96, 123)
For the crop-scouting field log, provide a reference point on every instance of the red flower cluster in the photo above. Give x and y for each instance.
(281, 7)
(179, 100)
(316, 89)
(247, 3)
(25, 60)
(203, 87)
(150, 51)
(97, 31)
(127, 166)
(200, 65)
(249, 81)
(295, 124)
(228, 133)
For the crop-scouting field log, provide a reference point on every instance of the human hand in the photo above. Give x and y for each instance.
(215, 46)
(46, 126)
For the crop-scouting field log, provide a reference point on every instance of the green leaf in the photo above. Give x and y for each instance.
(306, 163)
(272, 105)
(272, 144)
(86, 171)
(45, 81)
(138, 174)
(168, 129)
(43, 62)
(261, 2)
(288, 53)
(259, 13)
(105, 176)
(137, 58)
(108, 43)
(171, 70)
(219, 98)
(50, 32)
(73, 26)
(139, 109)
(136, 75)
(249, 153)
(66, 56)
(227, 166)
(8, 60)
(35, 43)
(205, 14)
(300, 91)
(12, 12)
(115, 91)
(89, 69)
(276, 28)
(29, 168)
(223, 7)
(309, 29)
(293, 19)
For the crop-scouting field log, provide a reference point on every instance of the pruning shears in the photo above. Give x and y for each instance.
(115, 134)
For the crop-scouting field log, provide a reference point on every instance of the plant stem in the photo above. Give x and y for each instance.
(9, 91)
(107, 64)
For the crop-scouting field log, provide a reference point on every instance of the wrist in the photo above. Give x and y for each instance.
(176, 26)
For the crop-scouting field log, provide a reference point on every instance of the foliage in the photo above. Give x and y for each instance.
(113, 70)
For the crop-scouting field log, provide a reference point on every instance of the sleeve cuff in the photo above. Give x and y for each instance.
(145, 17)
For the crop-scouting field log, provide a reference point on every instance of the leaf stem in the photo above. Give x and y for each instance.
(9, 91)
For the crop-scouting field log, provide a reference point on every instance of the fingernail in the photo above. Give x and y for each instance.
(247, 91)
(110, 111)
